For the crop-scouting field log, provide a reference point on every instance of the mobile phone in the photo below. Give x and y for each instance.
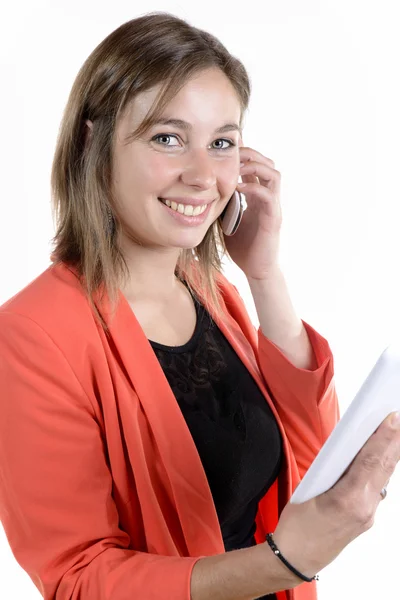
(232, 214)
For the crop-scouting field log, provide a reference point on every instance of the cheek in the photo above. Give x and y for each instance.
(153, 172)
(229, 175)
(162, 167)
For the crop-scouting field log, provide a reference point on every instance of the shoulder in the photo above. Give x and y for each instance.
(55, 302)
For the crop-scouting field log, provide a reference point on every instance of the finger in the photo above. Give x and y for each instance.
(247, 177)
(263, 192)
(247, 153)
(267, 176)
(265, 195)
(377, 460)
(250, 179)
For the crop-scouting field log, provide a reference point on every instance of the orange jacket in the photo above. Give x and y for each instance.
(102, 492)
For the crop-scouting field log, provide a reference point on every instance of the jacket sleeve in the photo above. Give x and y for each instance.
(306, 401)
(56, 503)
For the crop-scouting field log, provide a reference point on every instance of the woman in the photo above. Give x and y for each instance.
(150, 436)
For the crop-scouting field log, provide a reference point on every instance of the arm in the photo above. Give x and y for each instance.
(56, 504)
(305, 398)
(241, 575)
(279, 321)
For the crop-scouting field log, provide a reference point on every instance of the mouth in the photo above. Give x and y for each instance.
(188, 210)
(180, 212)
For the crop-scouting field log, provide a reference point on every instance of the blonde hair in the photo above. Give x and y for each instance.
(157, 48)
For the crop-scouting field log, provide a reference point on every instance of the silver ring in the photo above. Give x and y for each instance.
(383, 493)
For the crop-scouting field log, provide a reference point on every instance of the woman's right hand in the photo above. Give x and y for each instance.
(312, 534)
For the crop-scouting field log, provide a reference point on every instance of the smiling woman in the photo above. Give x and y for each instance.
(119, 107)
(150, 437)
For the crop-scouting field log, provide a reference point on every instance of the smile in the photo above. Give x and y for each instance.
(185, 209)
(180, 214)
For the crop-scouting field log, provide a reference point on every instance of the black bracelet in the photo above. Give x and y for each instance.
(277, 552)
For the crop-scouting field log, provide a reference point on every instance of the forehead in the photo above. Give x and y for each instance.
(208, 98)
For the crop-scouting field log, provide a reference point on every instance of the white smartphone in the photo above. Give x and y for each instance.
(377, 398)
(232, 214)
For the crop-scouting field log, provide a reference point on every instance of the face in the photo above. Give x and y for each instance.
(176, 164)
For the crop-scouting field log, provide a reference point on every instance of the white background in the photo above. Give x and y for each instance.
(325, 108)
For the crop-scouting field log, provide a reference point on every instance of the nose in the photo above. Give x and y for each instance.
(199, 171)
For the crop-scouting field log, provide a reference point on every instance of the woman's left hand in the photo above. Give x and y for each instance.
(255, 245)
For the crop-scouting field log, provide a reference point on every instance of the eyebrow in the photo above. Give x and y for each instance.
(187, 126)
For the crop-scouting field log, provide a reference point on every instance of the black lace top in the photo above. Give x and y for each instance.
(231, 423)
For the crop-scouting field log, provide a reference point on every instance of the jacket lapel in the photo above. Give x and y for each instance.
(186, 476)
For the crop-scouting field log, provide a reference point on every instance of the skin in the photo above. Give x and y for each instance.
(195, 163)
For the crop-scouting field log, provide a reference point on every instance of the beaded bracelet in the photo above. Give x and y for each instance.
(277, 552)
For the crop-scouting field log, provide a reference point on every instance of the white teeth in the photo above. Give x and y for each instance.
(186, 209)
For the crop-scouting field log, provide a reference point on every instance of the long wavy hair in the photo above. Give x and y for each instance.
(156, 48)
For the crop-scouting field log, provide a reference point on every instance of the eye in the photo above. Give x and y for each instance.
(227, 141)
(164, 136)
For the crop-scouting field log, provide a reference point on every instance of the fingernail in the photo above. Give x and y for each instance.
(395, 420)
(242, 164)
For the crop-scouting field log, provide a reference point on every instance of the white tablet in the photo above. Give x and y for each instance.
(378, 396)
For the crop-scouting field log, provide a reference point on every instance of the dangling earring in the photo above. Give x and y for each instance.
(111, 221)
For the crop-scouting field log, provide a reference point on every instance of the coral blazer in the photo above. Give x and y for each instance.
(103, 495)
